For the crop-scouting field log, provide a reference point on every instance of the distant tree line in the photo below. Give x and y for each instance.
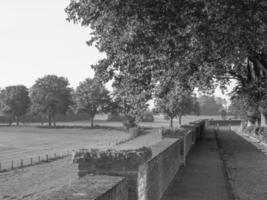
(51, 96)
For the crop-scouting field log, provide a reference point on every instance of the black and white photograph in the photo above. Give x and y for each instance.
(133, 99)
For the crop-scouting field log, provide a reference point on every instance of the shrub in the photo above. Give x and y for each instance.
(172, 133)
(258, 132)
(148, 117)
(166, 117)
(129, 122)
(115, 117)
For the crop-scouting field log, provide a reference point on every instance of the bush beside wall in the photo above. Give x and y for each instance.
(258, 132)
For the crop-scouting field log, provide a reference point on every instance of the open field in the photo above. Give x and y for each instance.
(101, 120)
(18, 143)
(27, 142)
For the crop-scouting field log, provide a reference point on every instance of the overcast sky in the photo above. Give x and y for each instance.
(36, 39)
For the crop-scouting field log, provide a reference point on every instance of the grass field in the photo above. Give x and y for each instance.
(27, 142)
(18, 143)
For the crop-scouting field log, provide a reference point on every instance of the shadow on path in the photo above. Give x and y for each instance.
(203, 177)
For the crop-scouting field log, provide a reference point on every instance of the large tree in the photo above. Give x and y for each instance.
(15, 101)
(197, 42)
(92, 97)
(51, 95)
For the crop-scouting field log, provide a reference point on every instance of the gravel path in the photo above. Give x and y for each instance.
(246, 163)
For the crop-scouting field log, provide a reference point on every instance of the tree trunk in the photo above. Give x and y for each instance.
(17, 120)
(54, 121)
(49, 120)
(171, 122)
(180, 119)
(92, 121)
(263, 121)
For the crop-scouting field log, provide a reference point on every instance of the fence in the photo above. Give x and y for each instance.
(9, 165)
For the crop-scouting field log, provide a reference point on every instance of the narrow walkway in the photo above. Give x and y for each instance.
(203, 177)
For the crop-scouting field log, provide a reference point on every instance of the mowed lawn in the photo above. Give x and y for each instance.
(28, 142)
(18, 143)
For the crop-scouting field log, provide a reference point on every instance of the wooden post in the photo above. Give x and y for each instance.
(21, 163)
(12, 164)
(46, 157)
(218, 127)
(39, 159)
(55, 155)
(31, 160)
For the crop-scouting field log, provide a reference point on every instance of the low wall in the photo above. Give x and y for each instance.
(147, 177)
(224, 122)
(156, 174)
(118, 192)
(92, 188)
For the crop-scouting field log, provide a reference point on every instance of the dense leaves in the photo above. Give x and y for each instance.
(92, 97)
(51, 95)
(192, 41)
(15, 101)
(177, 103)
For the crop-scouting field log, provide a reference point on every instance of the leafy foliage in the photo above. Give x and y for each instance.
(197, 42)
(192, 41)
(15, 101)
(92, 97)
(51, 95)
(177, 102)
(209, 106)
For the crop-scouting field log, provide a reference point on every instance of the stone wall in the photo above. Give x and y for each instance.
(224, 122)
(91, 188)
(147, 177)
(156, 174)
(118, 192)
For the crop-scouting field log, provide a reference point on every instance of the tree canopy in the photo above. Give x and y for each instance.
(51, 95)
(197, 41)
(92, 97)
(15, 101)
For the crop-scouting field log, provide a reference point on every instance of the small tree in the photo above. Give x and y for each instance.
(15, 101)
(132, 104)
(51, 95)
(176, 103)
(92, 97)
(223, 114)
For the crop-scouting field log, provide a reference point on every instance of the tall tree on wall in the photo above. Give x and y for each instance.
(92, 97)
(176, 103)
(15, 102)
(51, 95)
